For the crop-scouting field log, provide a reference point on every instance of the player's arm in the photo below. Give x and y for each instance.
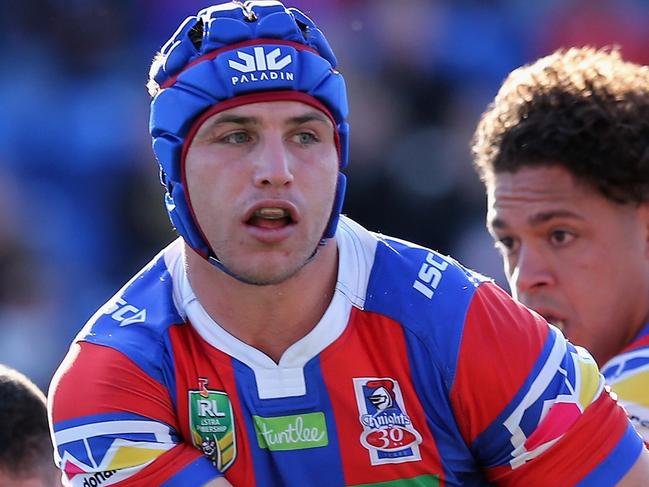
(111, 420)
(531, 406)
(638, 475)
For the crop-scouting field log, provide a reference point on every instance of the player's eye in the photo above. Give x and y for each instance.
(236, 138)
(305, 138)
(561, 237)
(505, 245)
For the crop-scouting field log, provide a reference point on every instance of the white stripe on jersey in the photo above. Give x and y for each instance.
(77, 433)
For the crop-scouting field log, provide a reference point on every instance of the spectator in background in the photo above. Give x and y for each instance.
(28, 307)
(68, 156)
(564, 153)
(596, 23)
(25, 445)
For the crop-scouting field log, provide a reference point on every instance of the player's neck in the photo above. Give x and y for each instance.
(269, 318)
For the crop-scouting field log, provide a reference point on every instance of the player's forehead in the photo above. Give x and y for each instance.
(534, 195)
(283, 112)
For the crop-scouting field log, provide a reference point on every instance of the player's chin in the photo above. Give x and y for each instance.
(269, 271)
(265, 278)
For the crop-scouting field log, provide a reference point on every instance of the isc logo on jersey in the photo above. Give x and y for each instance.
(388, 433)
(429, 276)
(261, 66)
(125, 313)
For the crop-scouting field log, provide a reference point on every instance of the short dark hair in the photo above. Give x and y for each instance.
(584, 109)
(25, 444)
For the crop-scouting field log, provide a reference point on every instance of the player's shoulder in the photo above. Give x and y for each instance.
(411, 280)
(632, 363)
(408, 265)
(628, 373)
(411, 284)
(135, 320)
(426, 294)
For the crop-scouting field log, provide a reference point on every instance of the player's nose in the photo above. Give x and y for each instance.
(530, 273)
(273, 164)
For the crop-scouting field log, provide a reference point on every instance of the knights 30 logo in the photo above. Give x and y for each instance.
(211, 423)
(388, 433)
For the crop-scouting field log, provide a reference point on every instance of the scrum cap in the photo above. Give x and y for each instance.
(228, 55)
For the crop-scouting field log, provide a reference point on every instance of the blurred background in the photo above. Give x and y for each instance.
(80, 204)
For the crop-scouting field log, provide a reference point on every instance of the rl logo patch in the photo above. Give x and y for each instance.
(388, 433)
(211, 423)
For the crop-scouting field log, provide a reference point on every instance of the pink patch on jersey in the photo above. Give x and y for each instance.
(72, 469)
(558, 421)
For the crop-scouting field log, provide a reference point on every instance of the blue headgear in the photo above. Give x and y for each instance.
(228, 55)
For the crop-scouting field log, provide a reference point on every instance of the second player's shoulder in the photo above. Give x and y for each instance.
(633, 359)
(630, 368)
(627, 374)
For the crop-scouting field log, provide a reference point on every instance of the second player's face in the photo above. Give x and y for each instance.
(572, 255)
(261, 179)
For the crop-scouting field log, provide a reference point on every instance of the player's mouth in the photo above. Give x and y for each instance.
(271, 221)
(270, 217)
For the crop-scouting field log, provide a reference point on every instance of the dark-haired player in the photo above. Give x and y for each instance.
(564, 153)
(25, 444)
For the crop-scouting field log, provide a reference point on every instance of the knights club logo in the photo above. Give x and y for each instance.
(211, 423)
(388, 432)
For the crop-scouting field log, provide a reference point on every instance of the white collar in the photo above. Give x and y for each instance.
(356, 249)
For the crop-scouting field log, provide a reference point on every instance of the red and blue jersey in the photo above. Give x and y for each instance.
(628, 376)
(419, 373)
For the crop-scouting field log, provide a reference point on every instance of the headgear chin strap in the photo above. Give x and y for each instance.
(228, 55)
